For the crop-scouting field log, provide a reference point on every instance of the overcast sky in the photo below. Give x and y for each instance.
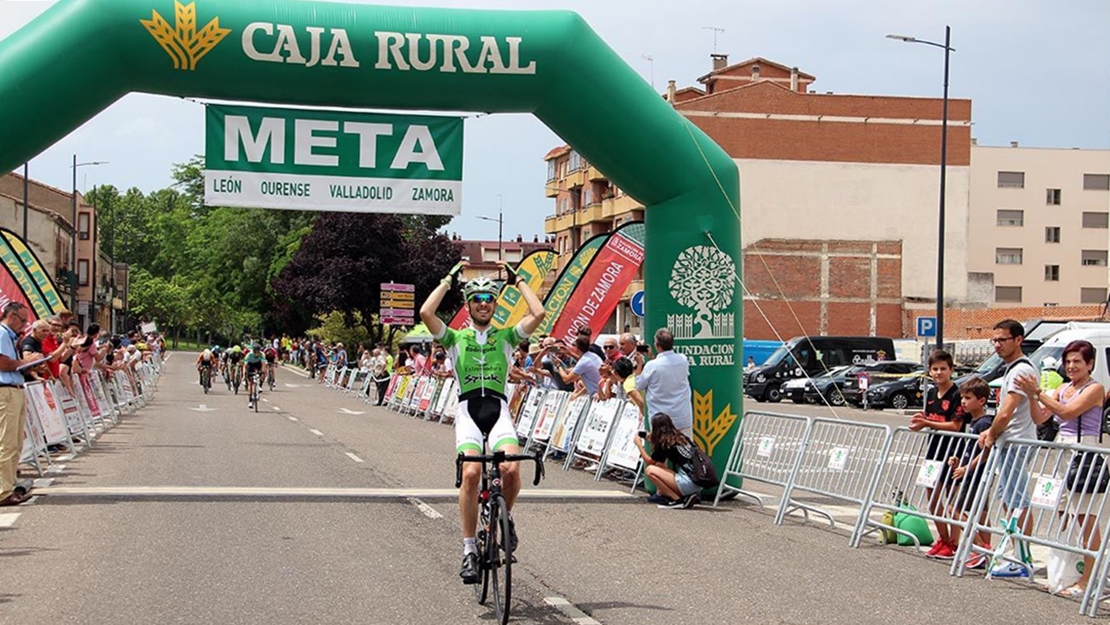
(1037, 72)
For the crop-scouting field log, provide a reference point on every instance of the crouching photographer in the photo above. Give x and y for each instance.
(692, 469)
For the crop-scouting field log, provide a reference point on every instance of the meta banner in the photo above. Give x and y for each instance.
(567, 281)
(601, 287)
(333, 161)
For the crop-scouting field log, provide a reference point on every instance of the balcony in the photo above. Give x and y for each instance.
(575, 179)
(618, 206)
(595, 175)
(552, 188)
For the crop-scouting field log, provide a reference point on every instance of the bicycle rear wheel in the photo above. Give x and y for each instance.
(500, 558)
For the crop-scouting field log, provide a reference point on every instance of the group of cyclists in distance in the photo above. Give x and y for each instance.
(245, 364)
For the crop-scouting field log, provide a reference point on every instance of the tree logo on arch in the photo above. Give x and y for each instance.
(185, 45)
(703, 278)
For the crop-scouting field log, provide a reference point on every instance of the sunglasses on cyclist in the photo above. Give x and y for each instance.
(482, 298)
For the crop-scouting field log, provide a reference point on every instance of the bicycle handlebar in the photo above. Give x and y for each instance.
(499, 457)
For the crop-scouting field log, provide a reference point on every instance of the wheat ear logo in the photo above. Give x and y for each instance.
(182, 42)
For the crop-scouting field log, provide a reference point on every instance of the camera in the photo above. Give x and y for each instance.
(642, 434)
(643, 349)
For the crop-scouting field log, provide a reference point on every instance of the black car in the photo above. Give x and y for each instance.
(828, 388)
(877, 373)
(905, 392)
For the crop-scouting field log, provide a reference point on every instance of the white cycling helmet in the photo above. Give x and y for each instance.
(481, 285)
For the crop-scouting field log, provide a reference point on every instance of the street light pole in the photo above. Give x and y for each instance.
(947, 47)
(500, 229)
(76, 231)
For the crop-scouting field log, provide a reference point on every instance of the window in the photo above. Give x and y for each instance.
(1096, 182)
(586, 197)
(1011, 180)
(1088, 295)
(575, 162)
(1094, 258)
(1095, 220)
(1052, 234)
(83, 272)
(1052, 197)
(1011, 217)
(1007, 294)
(1007, 255)
(83, 226)
(1052, 273)
(550, 170)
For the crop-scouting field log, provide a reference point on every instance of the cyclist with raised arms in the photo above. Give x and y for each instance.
(481, 355)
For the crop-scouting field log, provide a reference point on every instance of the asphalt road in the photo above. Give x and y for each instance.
(322, 509)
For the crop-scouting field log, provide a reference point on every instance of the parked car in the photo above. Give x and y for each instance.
(828, 388)
(794, 390)
(905, 392)
(876, 373)
(809, 356)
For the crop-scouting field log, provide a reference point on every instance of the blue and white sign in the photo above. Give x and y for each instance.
(926, 326)
(637, 304)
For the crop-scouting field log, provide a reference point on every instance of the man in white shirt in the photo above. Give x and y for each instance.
(665, 382)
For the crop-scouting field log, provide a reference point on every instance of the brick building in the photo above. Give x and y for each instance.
(483, 255)
(839, 198)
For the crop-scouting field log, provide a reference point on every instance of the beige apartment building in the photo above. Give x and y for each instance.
(1039, 224)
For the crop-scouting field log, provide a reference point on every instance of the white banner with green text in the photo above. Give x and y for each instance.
(333, 161)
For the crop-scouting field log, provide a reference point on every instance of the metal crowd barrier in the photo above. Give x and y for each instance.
(1026, 497)
(910, 480)
(839, 460)
(766, 449)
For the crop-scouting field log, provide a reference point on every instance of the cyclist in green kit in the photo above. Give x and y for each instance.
(482, 355)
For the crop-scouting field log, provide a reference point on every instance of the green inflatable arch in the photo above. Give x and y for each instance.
(80, 56)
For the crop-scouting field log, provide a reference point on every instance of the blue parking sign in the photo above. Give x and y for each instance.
(926, 326)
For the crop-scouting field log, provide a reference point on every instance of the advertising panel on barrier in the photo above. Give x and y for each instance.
(391, 389)
(529, 413)
(562, 435)
(70, 410)
(333, 160)
(430, 389)
(444, 396)
(552, 403)
(89, 396)
(622, 445)
(595, 432)
(42, 401)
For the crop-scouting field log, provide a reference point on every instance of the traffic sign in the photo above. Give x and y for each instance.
(637, 303)
(394, 286)
(926, 326)
(397, 312)
(392, 302)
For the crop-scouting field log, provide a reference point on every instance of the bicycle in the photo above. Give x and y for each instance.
(206, 378)
(270, 375)
(226, 371)
(495, 552)
(236, 378)
(255, 381)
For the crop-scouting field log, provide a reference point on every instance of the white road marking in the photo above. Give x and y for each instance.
(424, 508)
(571, 610)
(441, 494)
(345, 411)
(292, 418)
(317, 432)
(265, 400)
(354, 457)
(55, 468)
(203, 408)
(64, 458)
(275, 408)
(8, 520)
(43, 482)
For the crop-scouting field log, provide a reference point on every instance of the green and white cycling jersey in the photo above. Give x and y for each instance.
(481, 358)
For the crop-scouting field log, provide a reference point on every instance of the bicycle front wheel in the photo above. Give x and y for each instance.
(500, 559)
(481, 589)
